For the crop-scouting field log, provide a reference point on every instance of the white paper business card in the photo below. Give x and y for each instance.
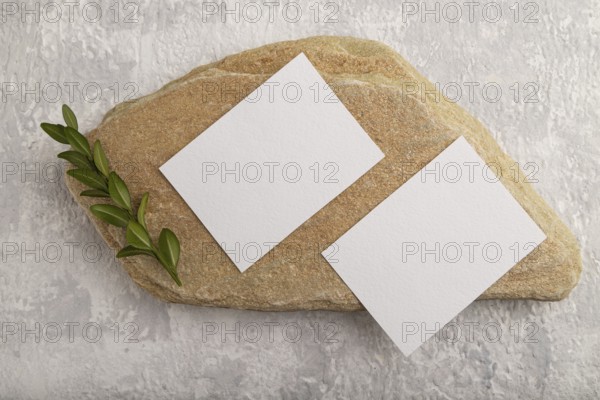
(271, 162)
(434, 245)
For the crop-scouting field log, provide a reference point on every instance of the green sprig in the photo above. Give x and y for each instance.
(93, 170)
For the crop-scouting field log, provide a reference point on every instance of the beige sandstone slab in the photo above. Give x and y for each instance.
(386, 95)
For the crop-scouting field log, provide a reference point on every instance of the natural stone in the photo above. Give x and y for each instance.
(399, 110)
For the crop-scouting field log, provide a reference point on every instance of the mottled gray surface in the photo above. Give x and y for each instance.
(56, 271)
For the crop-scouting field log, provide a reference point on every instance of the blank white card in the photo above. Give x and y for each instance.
(271, 162)
(434, 245)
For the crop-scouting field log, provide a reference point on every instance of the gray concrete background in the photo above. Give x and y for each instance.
(57, 272)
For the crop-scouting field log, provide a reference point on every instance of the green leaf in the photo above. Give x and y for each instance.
(129, 251)
(93, 170)
(137, 236)
(88, 177)
(118, 191)
(141, 214)
(69, 117)
(55, 131)
(75, 158)
(100, 159)
(111, 214)
(78, 142)
(173, 275)
(172, 270)
(94, 193)
(168, 245)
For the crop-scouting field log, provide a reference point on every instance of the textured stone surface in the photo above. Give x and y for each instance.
(560, 358)
(399, 110)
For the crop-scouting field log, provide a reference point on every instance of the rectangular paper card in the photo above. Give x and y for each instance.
(271, 162)
(434, 245)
